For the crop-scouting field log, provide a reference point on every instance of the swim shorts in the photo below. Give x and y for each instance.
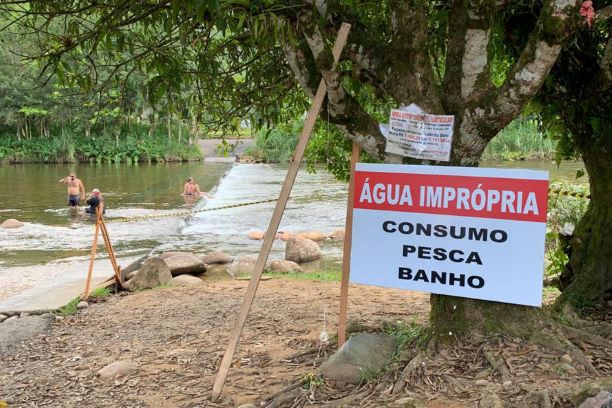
(73, 200)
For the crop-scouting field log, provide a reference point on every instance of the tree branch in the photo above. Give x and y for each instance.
(529, 72)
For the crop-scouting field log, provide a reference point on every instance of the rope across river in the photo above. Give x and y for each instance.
(176, 214)
(186, 213)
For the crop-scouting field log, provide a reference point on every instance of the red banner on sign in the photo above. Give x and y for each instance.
(469, 196)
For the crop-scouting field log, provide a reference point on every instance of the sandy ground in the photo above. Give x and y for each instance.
(177, 337)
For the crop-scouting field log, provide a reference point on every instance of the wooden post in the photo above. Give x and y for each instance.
(276, 218)
(111, 252)
(94, 247)
(346, 252)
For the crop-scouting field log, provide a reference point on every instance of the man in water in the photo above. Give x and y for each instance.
(95, 200)
(191, 188)
(75, 189)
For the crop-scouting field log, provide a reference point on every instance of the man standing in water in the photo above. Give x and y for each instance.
(75, 189)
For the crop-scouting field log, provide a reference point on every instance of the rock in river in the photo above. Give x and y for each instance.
(217, 257)
(282, 266)
(312, 235)
(186, 280)
(182, 263)
(244, 264)
(11, 223)
(256, 235)
(302, 250)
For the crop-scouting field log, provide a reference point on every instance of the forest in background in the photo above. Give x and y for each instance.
(49, 119)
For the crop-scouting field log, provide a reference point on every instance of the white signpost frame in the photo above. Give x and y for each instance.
(468, 232)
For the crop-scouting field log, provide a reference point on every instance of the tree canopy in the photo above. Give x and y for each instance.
(227, 60)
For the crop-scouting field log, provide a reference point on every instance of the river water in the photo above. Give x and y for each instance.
(55, 239)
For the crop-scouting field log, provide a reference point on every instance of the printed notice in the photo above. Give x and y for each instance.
(417, 134)
(459, 231)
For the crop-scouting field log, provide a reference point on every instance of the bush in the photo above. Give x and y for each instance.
(521, 139)
(133, 145)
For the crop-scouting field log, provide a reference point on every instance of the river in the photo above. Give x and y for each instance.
(55, 239)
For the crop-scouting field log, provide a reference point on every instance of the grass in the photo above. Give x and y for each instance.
(327, 275)
(71, 308)
(520, 140)
(404, 332)
(100, 293)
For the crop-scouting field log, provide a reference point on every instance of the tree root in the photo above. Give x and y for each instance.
(498, 364)
(557, 340)
(581, 335)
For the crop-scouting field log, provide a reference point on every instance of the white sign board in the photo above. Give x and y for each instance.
(414, 133)
(460, 231)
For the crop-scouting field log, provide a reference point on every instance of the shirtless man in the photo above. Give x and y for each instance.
(190, 188)
(75, 189)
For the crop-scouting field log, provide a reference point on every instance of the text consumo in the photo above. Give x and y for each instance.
(442, 231)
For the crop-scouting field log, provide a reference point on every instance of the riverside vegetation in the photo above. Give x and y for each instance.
(522, 139)
(136, 145)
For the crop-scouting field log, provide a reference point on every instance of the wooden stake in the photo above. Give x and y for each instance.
(94, 247)
(276, 218)
(111, 252)
(346, 252)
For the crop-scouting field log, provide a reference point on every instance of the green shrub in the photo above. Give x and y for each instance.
(134, 144)
(521, 139)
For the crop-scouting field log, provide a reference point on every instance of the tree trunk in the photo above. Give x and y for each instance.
(587, 278)
(452, 317)
(400, 72)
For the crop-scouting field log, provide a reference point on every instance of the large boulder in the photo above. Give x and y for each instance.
(168, 254)
(11, 223)
(244, 264)
(16, 329)
(284, 235)
(282, 266)
(217, 272)
(217, 257)
(153, 272)
(302, 250)
(362, 355)
(591, 389)
(129, 271)
(312, 235)
(602, 400)
(185, 262)
(186, 280)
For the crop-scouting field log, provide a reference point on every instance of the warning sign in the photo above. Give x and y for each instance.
(414, 133)
(468, 232)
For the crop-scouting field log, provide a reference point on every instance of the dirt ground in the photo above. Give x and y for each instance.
(177, 336)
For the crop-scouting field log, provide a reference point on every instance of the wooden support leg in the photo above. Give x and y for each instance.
(111, 253)
(275, 220)
(94, 248)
